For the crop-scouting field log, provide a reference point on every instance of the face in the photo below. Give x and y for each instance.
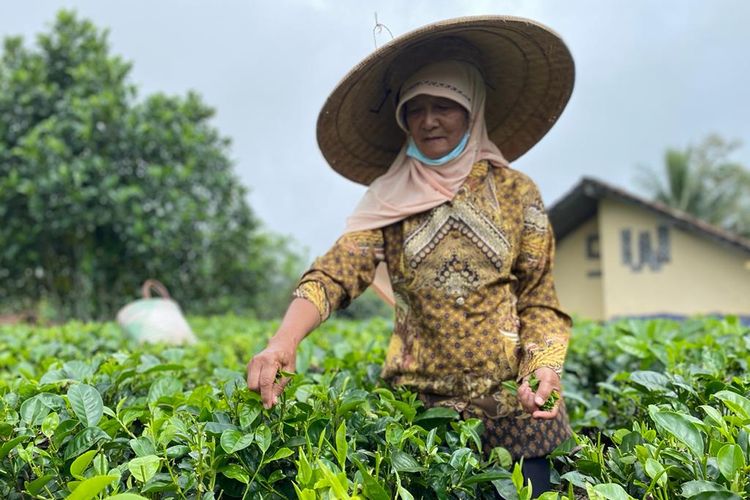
(436, 124)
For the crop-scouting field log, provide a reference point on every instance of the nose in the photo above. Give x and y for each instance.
(430, 119)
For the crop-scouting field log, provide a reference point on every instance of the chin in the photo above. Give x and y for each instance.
(433, 154)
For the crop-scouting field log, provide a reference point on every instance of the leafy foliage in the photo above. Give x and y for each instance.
(83, 408)
(99, 191)
(704, 182)
(661, 410)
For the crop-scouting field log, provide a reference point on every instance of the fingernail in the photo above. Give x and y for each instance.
(275, 400)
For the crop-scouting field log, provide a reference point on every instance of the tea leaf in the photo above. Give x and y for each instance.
(652, 381)
(35, 486)
(436, 416)
(233, 441)
(84, 440)
(403, 462)
(77, 370)
(716, 495)
(371, 488)
(679, 427)
(7, 447)
(740, 405)
(80, 464)
(86, 403)
(142, 446)
(236, 472)
(693, 488)
(731, 460)
(609, 491)
(341, 445)
(90, 488)
(144, 468)
(339, 489)
(33, 411)
(248, 414)
(487, 477)
(656, 471)
(263, 437)
(50, 423)
(280, 453)
(164, 387)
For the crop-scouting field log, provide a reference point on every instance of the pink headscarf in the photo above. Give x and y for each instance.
(410, 187)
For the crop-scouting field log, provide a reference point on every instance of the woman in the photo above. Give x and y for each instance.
(447, 232)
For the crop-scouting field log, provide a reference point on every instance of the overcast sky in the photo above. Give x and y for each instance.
(649, 75)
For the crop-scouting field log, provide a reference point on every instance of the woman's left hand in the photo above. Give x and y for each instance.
(532, 401)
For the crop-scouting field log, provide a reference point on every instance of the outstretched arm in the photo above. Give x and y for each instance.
(333, 281)
(281, 353)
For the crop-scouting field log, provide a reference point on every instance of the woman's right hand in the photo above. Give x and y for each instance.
(263, 368)
(281, 353)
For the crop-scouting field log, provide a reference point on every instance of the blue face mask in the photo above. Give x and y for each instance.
(413, 151)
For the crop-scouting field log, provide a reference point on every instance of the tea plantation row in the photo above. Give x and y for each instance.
(660, 409)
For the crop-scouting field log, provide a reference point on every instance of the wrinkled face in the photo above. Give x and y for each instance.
(436, 124)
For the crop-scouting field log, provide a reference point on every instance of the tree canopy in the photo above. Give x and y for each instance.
(100, 190)
(703, 181)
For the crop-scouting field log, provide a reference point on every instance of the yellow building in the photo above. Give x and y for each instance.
(619, 255)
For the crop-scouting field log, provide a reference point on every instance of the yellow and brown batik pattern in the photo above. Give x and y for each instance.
(472, 278)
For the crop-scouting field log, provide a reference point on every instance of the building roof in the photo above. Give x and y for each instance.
(582, 202)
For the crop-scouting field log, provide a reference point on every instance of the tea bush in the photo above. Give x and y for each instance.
(660, 409)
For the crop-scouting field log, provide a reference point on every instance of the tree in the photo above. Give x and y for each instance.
(99, 191)
(704, 182)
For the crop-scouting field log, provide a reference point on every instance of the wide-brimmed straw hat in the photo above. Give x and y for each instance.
(528, 72)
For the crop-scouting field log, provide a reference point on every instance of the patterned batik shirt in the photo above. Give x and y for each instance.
(472, 279)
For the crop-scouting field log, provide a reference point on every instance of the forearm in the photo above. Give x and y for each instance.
(301, 318)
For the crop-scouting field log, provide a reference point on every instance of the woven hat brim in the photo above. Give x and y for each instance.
(528, 70)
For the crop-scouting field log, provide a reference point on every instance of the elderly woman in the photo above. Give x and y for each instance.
(447, 232)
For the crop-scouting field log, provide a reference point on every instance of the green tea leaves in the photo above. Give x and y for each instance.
(86, 403)
(144, 468)
(680, 427)
(80, 464)
(91, 487)
(233, 441)
(731, 460)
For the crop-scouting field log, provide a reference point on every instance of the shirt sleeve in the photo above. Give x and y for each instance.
(342, 273)
(545, 328)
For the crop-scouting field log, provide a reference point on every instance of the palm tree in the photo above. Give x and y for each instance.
(703, 182)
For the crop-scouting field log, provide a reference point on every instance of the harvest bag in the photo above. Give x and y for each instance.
(155, 319)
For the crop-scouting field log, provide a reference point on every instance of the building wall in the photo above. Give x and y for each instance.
(651, 267)
(577, 272)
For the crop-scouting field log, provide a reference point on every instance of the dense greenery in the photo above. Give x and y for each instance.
(660, 409)
(100, 190)
(705, 182)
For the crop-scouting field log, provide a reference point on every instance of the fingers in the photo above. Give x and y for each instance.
(253, 374)
(267, 377)
(531, 401)
(262, 371)
(526, 397)
(261, 375)
(543, 392)
(547, 415)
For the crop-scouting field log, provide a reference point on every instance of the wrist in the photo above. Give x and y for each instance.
(284, 340)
